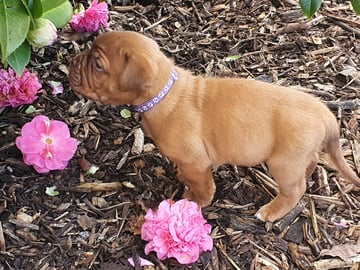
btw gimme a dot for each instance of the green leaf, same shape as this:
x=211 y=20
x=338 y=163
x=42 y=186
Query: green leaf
x=57 y=11
x=356 y=6
x=36 y=8
x=26 y=5
x=125 y=113
x=30 y=109
x=20 y=57
x=14 y=25
x=232 y=58
x=51 y=191
x=93 y=169
x=309 y=7
x=30 y=3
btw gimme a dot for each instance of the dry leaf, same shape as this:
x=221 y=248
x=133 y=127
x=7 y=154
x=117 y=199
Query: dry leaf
x=344 y=252
x=136 y=224
x=159 y=171
x=62 y=207
x=99 y=202
x=86 y=222
x=139 y=164
x=353 y=124
x=110 y=266
x=118 y=141
x=24 y=217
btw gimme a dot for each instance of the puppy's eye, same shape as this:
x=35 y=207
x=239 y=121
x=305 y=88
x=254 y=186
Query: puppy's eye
x=98 y=65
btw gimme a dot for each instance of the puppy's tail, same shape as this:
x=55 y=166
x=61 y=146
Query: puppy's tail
x=332 y=146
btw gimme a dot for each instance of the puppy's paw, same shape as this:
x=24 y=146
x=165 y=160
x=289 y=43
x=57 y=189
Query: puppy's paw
x=267 y=214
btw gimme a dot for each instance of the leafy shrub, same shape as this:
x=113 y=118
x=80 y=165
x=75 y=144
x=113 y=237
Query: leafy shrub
x=18 y=18
x=309 y=7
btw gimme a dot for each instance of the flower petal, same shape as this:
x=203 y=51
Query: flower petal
x=18 y=90
x=46 y=144
x=92 y=19
x=176 y=229
x=143 y=262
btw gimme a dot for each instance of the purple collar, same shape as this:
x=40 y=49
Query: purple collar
x=147 y=105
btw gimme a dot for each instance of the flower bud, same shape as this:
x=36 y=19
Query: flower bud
x=43 y=34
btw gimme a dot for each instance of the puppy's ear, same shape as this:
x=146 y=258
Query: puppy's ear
x=139 y=71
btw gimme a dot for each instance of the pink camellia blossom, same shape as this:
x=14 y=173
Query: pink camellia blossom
x=46 y=144
x=178 y=230
x=18 y=90
x=91 y=19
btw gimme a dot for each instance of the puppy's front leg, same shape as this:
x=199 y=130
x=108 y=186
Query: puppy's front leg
x=200 y=183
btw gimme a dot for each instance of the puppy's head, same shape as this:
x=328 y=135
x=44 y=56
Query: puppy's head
x=119 y=69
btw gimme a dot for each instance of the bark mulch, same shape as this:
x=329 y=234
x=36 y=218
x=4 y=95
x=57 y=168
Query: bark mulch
x=94 y=223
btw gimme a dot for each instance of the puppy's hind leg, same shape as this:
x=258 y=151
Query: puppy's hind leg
x=312 y=165
x=290 y=177
x=200 y=183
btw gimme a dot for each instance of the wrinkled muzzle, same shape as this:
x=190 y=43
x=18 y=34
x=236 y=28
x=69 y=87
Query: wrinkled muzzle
x=75 y=73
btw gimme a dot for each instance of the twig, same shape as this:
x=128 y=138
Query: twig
x=125 y=213
x=196 y=12
x=313 y=243
x=356 y=154
x=223 y=252
x=124 y=9
x=356 y=78
x=7 y=146
x=91 y=187
x=345 y=196
x=288 y=219
x=2 y=239
x=23 y=224
x=328 y=199
x=92 y=207
x=344 y=23
x=343 y=19
x=336 y=263
x=348 y=28
x=157 y=23
x=266 y=181
x=292 y=27
x=314 y=219
x=264 y=261
x=346 y=104
x=266 y=252
x=325 y=50
x=323 y=180
x=94 y=258
x=232 y=206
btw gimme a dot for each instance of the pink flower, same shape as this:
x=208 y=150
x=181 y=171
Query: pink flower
x=177 y=230
x=57 y=87
x=18 y=90
x=91 y=19
x=143 y=262
x=46 y=144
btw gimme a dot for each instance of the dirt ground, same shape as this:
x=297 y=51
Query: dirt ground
x=86 y=227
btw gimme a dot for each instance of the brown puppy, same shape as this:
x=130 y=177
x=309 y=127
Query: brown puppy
x=202 y=122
